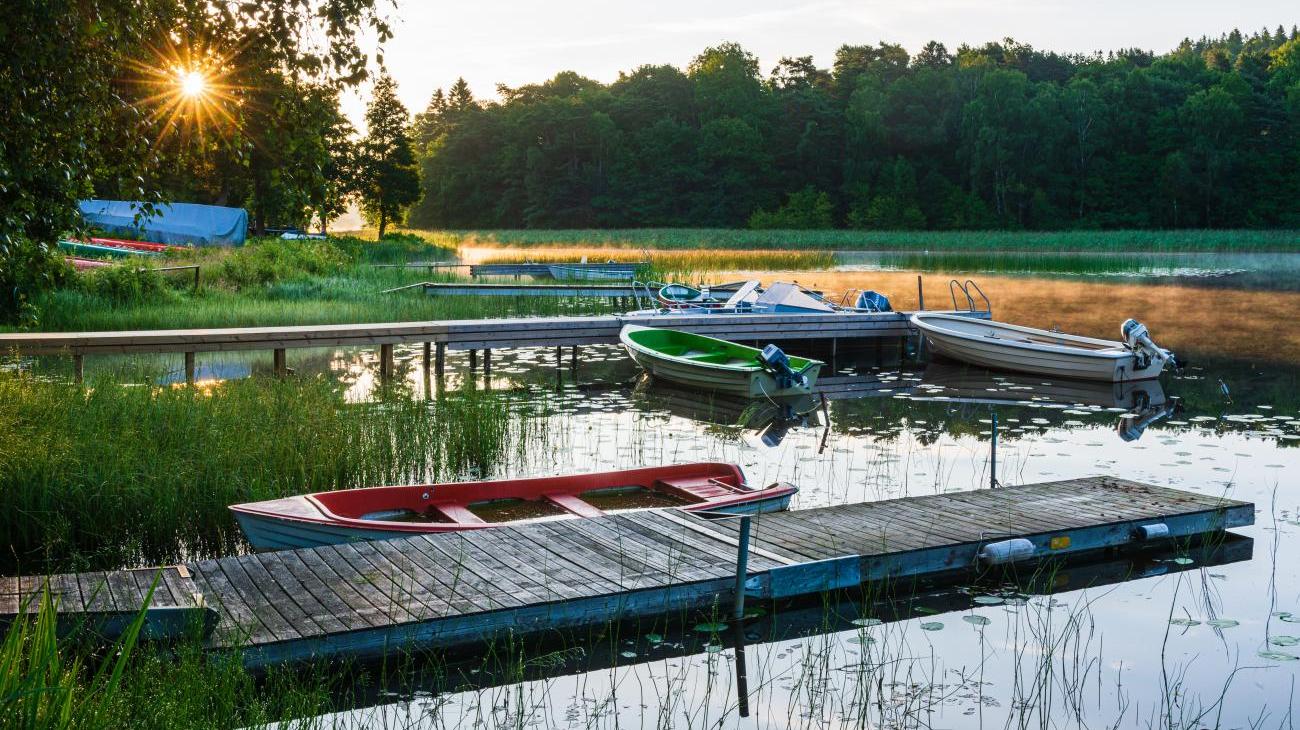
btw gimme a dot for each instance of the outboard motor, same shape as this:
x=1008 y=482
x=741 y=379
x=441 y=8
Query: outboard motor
x=873 y=301
x=774 y=360
x=1139 y=341
x=1131 y=425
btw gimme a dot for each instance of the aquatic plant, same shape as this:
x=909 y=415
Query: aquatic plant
x=120 y=474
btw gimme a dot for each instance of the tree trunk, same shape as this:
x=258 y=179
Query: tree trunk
x=383 y=220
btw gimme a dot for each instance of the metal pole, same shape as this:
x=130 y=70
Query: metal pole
x=993 y=454
x=742 y=568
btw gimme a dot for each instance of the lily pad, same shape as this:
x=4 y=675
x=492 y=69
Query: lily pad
x=932 y=626
x=628 y=655
x=1283 y=640
x=862 y=639
x=1222 y=623
x=988 y=600
x=1290 y=618
x=976 y=620
x=1183 y=561
x=866 y=621
x=1279 y=656
x=710 y=628
x=654 y=638
x=713 y=648
x=1185 y=622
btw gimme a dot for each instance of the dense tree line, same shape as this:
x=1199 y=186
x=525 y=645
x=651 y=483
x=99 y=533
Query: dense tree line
x=998 y=136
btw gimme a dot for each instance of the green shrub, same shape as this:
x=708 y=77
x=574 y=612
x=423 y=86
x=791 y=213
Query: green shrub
x=125 y=284
x=267 y=261
x=26 y=270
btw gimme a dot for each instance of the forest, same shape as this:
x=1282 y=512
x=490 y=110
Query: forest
x=997 y=136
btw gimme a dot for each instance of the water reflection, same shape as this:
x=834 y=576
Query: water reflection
x=772 y=645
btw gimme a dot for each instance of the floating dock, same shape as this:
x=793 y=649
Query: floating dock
x=613 y=291
x=368 y=598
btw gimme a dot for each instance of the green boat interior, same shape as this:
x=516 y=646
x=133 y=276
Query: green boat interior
x=701 y=349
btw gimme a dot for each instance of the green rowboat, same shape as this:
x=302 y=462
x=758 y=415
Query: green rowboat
x=712 y=364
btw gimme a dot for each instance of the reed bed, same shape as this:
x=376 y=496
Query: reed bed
x=116 y=474
x=724 y=238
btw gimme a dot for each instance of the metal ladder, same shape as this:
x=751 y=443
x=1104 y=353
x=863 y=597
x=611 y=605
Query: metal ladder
x=965 y=288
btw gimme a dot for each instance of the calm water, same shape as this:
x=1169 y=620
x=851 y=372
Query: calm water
x=1182 y=639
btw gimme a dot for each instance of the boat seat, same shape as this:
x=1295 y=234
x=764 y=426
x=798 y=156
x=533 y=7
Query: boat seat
x=697 y=487
x=575 y=505
x=458 y=513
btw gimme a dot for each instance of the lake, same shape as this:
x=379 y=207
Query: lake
x=1190 y=637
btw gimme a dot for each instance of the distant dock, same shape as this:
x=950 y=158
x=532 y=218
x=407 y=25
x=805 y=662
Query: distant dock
x=368 y=598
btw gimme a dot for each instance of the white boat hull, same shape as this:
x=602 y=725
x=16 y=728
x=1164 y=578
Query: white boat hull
x=1023 y=349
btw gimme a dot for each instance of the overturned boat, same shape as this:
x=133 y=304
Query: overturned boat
x=750 y=297
x=1005 y=346
x=385 y=513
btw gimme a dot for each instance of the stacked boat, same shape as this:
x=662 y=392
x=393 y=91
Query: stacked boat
x=750 y=297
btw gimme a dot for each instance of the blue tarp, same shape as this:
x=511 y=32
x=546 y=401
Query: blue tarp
x=176 y=223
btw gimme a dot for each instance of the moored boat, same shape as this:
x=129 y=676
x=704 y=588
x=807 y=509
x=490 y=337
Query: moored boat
x=711 y=364
x=385 y=513
x=1005 y=346
x=589 y=272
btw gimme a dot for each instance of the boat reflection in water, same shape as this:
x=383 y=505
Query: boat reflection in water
x=1144 y=402
x=768 y=418
x=638 y=645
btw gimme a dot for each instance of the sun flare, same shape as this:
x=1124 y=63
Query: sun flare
x=193 y=84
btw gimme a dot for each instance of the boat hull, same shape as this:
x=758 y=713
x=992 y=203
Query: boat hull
x=750 y=381
x=573 y=273
x=995 y=345
x=385 y=513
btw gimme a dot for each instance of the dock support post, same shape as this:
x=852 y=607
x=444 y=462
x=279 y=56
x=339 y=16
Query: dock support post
x=993 y=453
x=281 y=368
x=487 y=361
x=189 y=368
x=78 y=368
x=428 y=356
x=440 y=358
x=742 y=568
x=742 y=670
x=920 y=294
x=386 y=362
x=473 y=360
x=559 y=357
x=573 y=358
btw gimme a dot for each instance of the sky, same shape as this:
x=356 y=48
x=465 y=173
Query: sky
x=514 y=42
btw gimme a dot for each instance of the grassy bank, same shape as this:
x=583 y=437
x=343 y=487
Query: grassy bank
x=129 y=475
x=687 y=238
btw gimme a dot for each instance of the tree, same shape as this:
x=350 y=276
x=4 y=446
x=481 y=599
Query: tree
x=389 y=181
x=82 y=102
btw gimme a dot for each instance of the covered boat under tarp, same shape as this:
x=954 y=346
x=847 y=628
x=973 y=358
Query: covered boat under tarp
x=174 y=223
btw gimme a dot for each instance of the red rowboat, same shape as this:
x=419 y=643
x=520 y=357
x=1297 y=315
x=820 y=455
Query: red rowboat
x=136 y=245
x=384 y=513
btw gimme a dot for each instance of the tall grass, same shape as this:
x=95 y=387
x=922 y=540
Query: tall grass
x=120 y=475
x=728 y=238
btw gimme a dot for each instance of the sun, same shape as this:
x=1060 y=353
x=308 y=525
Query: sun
x=193 y=84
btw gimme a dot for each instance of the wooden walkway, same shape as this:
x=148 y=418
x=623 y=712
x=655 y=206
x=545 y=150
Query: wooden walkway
x=466 y=334
x=365 y=599
x=613 y=291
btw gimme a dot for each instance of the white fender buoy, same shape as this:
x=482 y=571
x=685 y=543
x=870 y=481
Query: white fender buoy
x=1006 y=551
x=1153 y=531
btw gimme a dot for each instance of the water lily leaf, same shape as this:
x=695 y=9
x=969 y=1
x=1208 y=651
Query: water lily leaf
x=654 y=638
x=713 y=648
x=1278 y=656
x=989 y=600
x=1222 y=623
x=866 y=621
x=932 y=626
x=628 y=654
x=1185 y=622
x=976 y=619
x=1283 y=640
x=710 y=628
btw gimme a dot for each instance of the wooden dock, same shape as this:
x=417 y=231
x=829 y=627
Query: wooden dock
x=609 y=291
x=465 y=334
x=366 y=599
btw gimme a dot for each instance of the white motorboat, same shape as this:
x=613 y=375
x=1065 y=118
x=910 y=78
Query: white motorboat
x=1043 y=352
